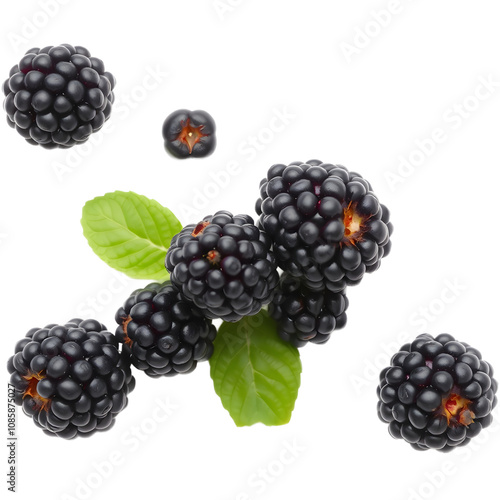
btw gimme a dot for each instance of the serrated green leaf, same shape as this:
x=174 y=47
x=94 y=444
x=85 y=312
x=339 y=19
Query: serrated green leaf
x=130 y=232
x=255 y=373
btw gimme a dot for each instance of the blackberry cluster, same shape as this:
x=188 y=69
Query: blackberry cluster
x=224 y=266
x=305 y=315
x=437 y=393
x=164 y=333
x=327 y=225
x=71 y=379
x=57 y=96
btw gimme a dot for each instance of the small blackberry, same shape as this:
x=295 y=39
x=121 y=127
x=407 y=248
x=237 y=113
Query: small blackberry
x=224 y=265
x=326 y=223
x=189 y=134
x=57 y=96
x=437 y=393
x=164 y=333
x=71 y=379
x=305 y=315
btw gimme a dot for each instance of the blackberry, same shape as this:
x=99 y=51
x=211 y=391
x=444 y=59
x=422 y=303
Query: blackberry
x=57 y=96
x=189 y=133
x=224 y=265
x=326 y=223
x=305 y=315
x=437 y=393
x=71 y=379
x=164 y=333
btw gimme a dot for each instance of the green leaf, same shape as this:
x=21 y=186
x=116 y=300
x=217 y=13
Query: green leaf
x=255 y=373
x=131 y=233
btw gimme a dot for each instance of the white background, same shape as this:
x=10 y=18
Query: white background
x=359 y=100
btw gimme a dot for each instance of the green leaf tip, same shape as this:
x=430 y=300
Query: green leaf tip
x=130 y=232
x=255 y=373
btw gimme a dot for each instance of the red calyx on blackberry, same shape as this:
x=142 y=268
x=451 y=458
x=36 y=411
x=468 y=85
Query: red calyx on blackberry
x=224 y=265
x=58 y=96
x=305 y=315
x=437 y=393
x=189 y=133
x=326 y=223
x=163 y=332
x=71 y=379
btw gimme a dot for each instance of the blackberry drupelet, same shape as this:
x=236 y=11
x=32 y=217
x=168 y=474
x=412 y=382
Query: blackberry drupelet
x=305 y=315
x=163 y=332
x=57 y=96
x=224 y=265
x=437 y=393
x=326 y=223
x=71 y=379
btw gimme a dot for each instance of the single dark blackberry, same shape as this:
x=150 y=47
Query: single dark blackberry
x=437 y=393
x=224 y=265
x=326 y=223
x=57 y=96
x=71 y=379
x=189 y=134
x=165 y=334
x=305 y=315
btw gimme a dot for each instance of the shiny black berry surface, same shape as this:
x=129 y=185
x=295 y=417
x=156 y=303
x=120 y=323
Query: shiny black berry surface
x=164 y=333
x=326 y=223
x=437 y=393
x=224 y=265
x=58 y=96
x=189 y=134
x=71 y=379
x=305 y=315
